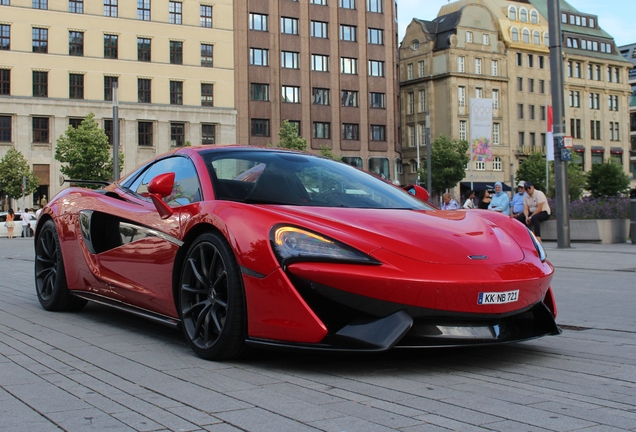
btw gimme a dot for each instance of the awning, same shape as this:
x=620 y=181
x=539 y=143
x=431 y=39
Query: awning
x=598 y=149
x=616 y=150
x=579 y=148
x=477 y=186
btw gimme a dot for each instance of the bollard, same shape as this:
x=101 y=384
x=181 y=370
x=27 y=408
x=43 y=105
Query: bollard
x=632 y=217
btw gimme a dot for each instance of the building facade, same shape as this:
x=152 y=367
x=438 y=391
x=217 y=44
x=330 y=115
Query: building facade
x=629 y=53
x=172 y=61
x=326 y=66
x=512 y=38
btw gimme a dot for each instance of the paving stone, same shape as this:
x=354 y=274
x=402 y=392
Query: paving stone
x=256 y=419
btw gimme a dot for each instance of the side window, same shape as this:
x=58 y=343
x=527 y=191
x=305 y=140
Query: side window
x=186 y=182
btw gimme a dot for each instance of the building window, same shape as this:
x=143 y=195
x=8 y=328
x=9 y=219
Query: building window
x=461 y=64
x=289 y=25
x=319 y=63
x=290 y=94
x=349 y=66
x=522 y=139
x=542 y=112
x=422 y=100
x=108 y=130
x=541 y=60
x=5 y=129
x=494 y=68
x=144 y=133
x=348 y=33
x=258 y=22
x=412 y=137
x=497 y=164
x=421 y=69
x=495 y=134
x=176 y=52
x=76 y=86
x=595 y=129
x=76 y=43
x=575 y=128
x=143 y=90
x=40 y=4
x=469 y=36
x=409 y=71
x=374 y=6
x=260 y=127
x=378 y=133
x=577 y=70
x=110 y=8
x=485 y=39
x=375 y=36
x=411 y=103
x=614 y=135
x=378 y=100
x=347 y=4
x=143 y=49
x=207 y=94
x=76 y=6
x=541 y=86
x=531 y=85
x=208 y=134
x=40 y=40
x=536 y=37
x=480 y=166
x=478 y=66
x=575 y=99
x=515 y=34
x=350 y=131
x=597 y=157
x=205 y=12
x=320 y=96
x=5 y=81
x=376 y=68
x=289 y=60
x=111 y=46
x=259 y=57
x=479 y=93
x=520 y=111
x=523 y=15
x=207 y=55
x=321 y=130
x=143 y=10
x=5 y=37
x=174 y=12
x=259 y=92
x=526 y=36
x=349 y=98
x=176 y=92
x=461 y=96
x=519 y=59
x=530 y=60
x=613 y=102
x=531 y=112
x=177 y=134
x=40 y=84
x=512 y=13
x=519 y=84
x=462 y=130
x=319 y=29
x=108 y=87
x=319 y=2
x=40 y=129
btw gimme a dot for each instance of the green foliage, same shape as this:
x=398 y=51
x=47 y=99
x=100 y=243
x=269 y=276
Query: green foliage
x=607 y=180
x=85 y=152
x=326 y=152
x=13 y=168
x=577 y=179
x=289 y=137
x=448 y=163
x=533 y=170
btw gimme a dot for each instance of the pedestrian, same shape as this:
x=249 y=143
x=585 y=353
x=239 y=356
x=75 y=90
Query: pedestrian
x=484 y=199
x=43 y=201
x=449 y=203
x=469 y=203
x=535 y=209
x=500 y=202
x=25 y=223
x=517 y=200
x=10 y=223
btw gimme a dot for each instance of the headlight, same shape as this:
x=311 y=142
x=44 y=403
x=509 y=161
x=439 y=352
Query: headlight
x=538 y=246
x=292 y=244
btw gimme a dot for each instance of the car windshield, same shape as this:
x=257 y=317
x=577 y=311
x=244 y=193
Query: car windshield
x=282 y=177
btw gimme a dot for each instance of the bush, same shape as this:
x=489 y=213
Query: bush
x=596 y=208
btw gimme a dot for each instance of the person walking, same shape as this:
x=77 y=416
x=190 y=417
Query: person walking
x=517 y=200
x=449 y=203
x=10 y=223
x=535 y=209
x=500 y=201
x=25 y=217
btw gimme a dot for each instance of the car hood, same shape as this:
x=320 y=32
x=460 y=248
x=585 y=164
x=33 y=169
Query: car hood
x=435 y=236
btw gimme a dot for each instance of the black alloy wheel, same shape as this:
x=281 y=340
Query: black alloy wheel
x=50 y=278
x=212 y=300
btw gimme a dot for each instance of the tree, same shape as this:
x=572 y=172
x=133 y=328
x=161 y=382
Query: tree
x=607 y=179
x=448 y=163
x=326 y=152
x=85 y=152
x=13 y=169
x=533 y=170
x=289 y=137
x=577 y=179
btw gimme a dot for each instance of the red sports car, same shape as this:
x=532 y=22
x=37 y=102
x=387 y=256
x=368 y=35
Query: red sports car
x=245 y=246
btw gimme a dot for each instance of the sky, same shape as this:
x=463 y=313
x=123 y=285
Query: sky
x=614 y=16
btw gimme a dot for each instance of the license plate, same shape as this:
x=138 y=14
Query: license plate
x=498 y=297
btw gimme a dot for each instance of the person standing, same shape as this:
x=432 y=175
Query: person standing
x=469 y=203
x=25 y=217
x=517 y=200
x=500 y=202
x=10 y=223
x=535 y=209
x=484 y=199
x=449 y=203
x=43 y=201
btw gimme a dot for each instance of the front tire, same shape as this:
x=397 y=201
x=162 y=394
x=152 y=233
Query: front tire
x=50 y=278
x=212 y=300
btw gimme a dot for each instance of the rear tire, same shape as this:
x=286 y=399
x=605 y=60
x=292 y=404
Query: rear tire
x=50 y=278
x=212 y=300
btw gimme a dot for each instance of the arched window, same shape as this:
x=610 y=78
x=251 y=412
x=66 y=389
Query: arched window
x=526 y=36
x=537 y=37
x=515 y=34
x=546 y=39
x=523 y=15
x=512 y=13
x=534 y=17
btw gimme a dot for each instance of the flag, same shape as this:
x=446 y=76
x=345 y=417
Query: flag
x=549 y=142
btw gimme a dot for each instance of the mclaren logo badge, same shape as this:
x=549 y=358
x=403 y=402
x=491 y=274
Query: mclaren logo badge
x=478 y=257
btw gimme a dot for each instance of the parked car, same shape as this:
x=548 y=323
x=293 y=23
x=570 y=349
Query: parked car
x=246 y=246
x=17 y=231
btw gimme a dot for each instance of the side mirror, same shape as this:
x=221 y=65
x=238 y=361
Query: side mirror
x=418 y=191
x=159 y=188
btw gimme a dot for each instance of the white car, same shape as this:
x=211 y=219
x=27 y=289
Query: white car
x=17 y=231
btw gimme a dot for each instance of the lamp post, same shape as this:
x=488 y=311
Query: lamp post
x=115 y=132
x=429 y=176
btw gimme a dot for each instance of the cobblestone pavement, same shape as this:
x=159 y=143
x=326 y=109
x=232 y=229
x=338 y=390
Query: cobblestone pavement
x=103 y=370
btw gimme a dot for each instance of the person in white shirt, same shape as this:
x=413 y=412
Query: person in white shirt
x=25 y=223
x=469 y=203
x=535 y=209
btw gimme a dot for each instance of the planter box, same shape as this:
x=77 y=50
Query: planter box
x=590 y=230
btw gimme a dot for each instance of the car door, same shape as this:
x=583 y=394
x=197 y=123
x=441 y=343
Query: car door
x=139 y=261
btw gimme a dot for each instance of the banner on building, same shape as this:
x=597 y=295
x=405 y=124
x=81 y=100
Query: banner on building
x=481 y=129
x=549 y=142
